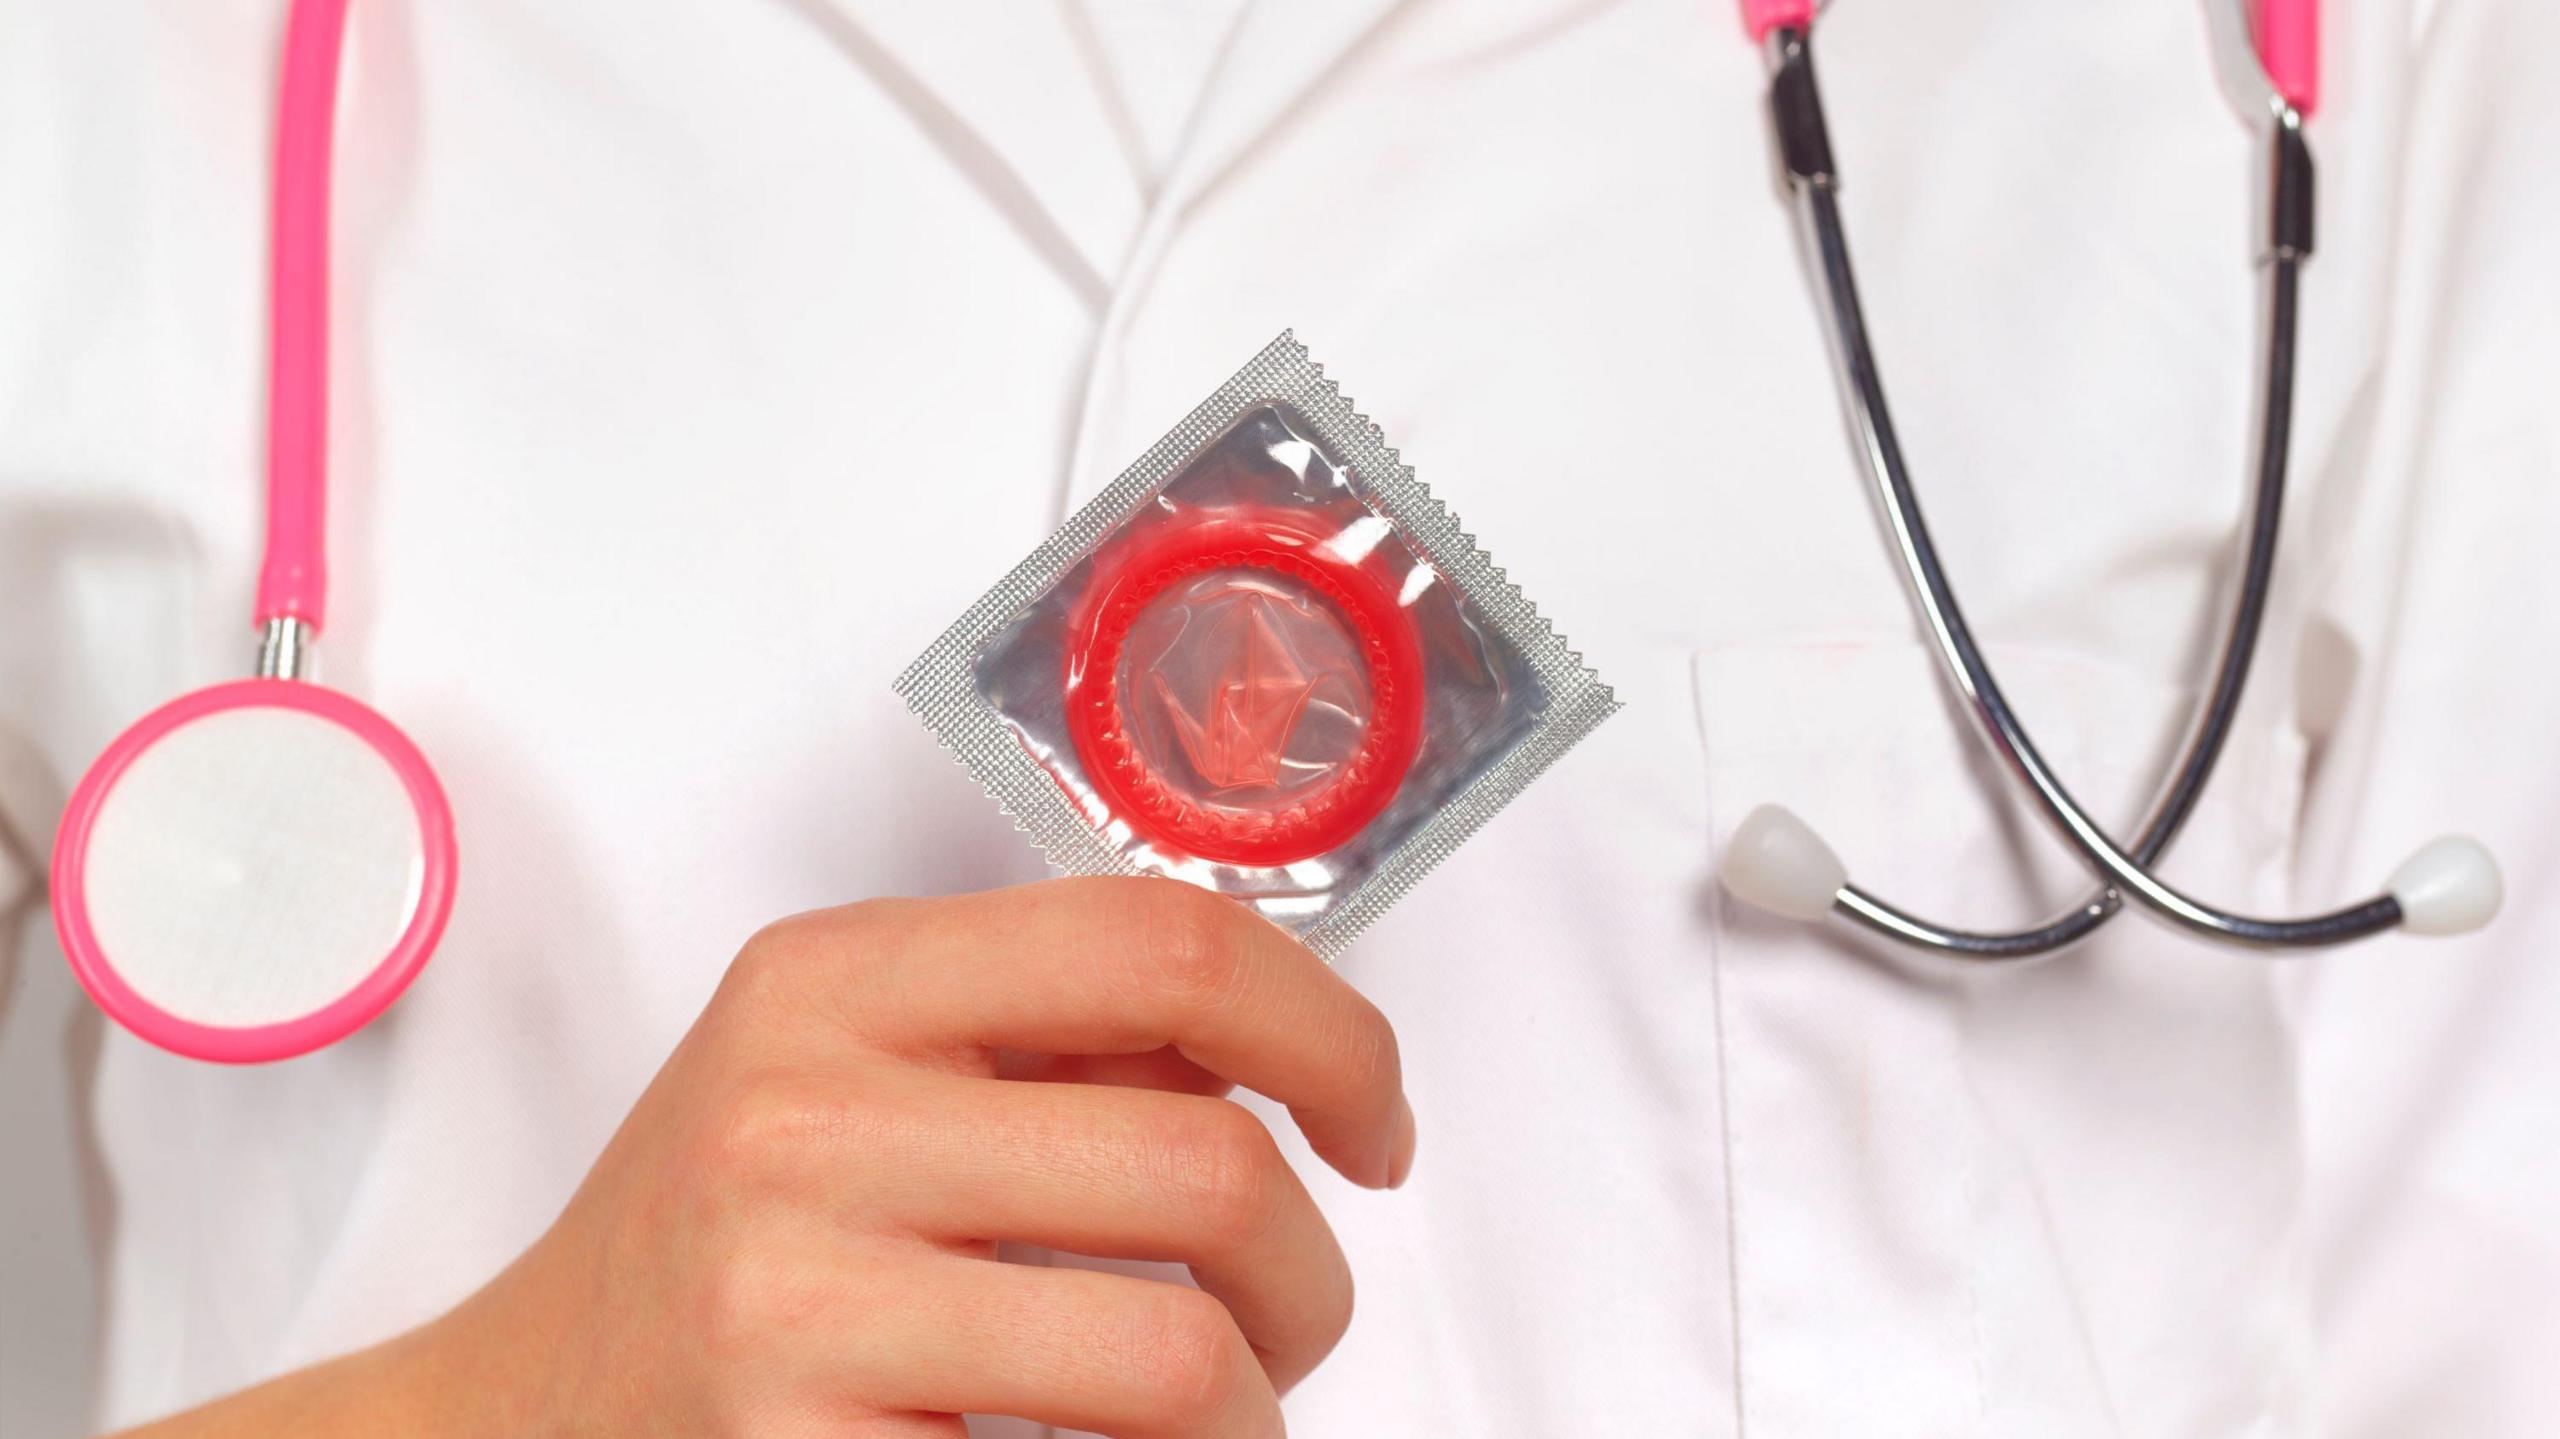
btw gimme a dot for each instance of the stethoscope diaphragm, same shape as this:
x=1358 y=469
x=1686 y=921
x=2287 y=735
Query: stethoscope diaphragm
x=253 y=870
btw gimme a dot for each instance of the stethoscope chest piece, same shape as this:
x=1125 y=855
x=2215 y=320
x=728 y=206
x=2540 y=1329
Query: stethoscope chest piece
x=258 y=868
x=253 y=871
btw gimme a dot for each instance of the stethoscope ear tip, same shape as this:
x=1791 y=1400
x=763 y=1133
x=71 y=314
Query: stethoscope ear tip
x=1775 y=861
x=2450 y=886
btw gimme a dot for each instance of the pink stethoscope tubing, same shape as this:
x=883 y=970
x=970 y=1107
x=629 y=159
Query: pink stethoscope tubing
x=294 y=581
x=2288 y=36
x=292 y=593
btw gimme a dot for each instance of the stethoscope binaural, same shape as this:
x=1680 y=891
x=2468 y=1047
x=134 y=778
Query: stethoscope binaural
x=258 y=868
x=1775 y=861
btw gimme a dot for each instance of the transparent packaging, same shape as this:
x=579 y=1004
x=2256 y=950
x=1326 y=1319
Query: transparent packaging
x=1264 y=660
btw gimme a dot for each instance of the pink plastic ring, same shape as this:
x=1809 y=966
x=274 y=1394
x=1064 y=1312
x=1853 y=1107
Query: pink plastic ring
x=1762 y=16
x=384 y=983
x=2287 y=35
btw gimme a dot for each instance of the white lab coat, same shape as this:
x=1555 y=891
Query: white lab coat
x=701 y=359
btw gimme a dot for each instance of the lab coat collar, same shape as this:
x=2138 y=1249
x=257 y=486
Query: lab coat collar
x=1014 y=95
x=1013 y=99
x=1280 y=54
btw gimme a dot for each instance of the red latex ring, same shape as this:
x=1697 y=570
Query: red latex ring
x=1282 y=544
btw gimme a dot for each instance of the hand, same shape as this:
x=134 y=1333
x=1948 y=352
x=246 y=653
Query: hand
x=794 y=1231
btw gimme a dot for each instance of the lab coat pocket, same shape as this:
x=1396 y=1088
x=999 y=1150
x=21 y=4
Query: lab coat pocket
x=2041 y=1199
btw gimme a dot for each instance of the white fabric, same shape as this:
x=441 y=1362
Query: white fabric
x=252 y=866
x=702 y=360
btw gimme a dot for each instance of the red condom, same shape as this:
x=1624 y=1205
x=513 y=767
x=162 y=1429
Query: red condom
x=1240 y=691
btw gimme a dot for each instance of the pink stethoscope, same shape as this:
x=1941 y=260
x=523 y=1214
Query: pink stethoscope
x=258 y=868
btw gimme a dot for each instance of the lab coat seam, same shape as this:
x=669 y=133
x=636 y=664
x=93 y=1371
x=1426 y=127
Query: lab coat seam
x=1220 y=165
x=2033 y=1184
x=1117 y=115
x=1968 y=1188
x=1167 y=204
x=964 y=142
x=1728 y=1146
x=1190 y=175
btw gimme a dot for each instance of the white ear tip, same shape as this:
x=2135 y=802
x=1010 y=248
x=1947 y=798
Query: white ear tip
x=1776 y=862
x=2450 y=886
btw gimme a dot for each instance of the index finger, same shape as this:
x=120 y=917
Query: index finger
x=1122 y=966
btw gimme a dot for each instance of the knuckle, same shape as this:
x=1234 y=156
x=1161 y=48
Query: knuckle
x=779 y=969
x=1192 y=1360
x=745 y=1303
x=788 y=939
x=792 y=941
x=1226 y=1172
x=761 y=1136
x=769 y=958
x=744 y=1136
x=770 y=941
x=730 y=1307
x=1188 y=939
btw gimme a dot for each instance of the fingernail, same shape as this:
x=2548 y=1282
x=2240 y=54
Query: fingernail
x=1400 y=1145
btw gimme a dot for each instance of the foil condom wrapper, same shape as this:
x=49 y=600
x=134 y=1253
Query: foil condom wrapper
x=1264 y=660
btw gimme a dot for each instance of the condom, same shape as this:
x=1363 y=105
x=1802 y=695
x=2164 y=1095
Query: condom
x=1240 y=692
x=1264 y=660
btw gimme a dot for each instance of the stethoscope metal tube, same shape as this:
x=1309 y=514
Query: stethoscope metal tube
x=2453 y=875
x=2202 y=747
x=1795 y=100
x=284 y=649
